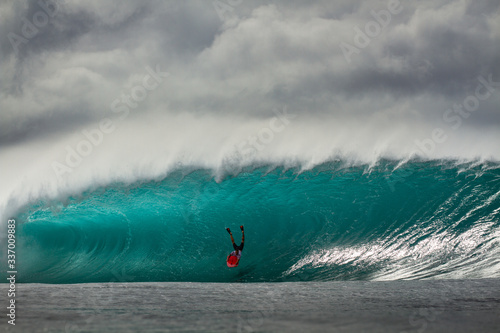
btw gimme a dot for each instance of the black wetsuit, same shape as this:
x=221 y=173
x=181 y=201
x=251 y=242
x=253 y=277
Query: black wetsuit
x=236 y=247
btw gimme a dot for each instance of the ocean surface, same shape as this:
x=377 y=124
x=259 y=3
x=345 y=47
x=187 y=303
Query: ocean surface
x=337 y=221
x=341 y=306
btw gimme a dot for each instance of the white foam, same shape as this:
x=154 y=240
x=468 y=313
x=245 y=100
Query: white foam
x=151 y=146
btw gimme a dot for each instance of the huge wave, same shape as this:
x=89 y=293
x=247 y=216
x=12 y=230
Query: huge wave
x=336 y=221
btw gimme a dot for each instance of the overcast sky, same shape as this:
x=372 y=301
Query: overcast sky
x=244 y=58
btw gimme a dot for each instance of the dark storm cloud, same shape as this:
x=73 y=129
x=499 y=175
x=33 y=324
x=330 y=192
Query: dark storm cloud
x=258 y=55
x=58 y=32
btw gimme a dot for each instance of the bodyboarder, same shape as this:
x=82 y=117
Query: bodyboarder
x=233 y=258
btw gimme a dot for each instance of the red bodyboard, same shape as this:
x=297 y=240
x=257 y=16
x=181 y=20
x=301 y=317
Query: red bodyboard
x=232 y=261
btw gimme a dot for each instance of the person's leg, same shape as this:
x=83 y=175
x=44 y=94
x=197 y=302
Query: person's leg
x=230 y=234
x=242 y=238
x=236 y=247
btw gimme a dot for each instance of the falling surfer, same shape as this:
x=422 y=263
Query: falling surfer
x=234 y=257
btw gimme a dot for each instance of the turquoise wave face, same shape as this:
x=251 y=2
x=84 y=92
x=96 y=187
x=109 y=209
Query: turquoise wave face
x=335 y=222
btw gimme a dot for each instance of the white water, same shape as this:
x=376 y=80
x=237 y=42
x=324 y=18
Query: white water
x=150 y=146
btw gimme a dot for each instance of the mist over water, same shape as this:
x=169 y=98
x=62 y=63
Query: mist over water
x=151 y=147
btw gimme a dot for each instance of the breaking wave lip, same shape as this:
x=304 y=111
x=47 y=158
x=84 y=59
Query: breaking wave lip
x=153 y=146
x=336 y=221
x=51 y=188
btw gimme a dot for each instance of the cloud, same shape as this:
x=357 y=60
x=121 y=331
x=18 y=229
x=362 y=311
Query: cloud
x=427 y=58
